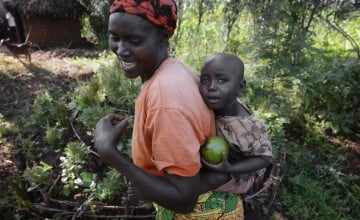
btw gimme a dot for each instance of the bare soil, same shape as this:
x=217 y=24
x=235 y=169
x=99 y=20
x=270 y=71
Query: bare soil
x=20 y=87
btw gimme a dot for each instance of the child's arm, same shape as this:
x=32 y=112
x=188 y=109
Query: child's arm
x=211 y=180
x=247 y=165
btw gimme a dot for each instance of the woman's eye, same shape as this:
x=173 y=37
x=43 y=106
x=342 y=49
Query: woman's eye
x=135 y=41
x=113 y=37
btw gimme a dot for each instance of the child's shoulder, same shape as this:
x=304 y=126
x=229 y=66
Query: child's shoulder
x=245 y=108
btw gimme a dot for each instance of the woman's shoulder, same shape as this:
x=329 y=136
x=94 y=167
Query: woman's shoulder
x=174 y=84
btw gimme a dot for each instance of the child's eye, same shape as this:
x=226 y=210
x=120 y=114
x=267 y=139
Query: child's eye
x=204 y=81
x=222 y=80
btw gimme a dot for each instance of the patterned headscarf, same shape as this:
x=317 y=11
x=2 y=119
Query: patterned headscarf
x=158 y=12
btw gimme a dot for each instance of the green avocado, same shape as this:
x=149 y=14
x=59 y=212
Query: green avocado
x=213 y=148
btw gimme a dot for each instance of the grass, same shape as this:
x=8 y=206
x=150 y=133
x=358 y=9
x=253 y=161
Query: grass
x=317 y=185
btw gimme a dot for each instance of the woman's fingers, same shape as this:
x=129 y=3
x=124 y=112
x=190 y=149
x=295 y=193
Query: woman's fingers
x=122 y=124
x=115 y=119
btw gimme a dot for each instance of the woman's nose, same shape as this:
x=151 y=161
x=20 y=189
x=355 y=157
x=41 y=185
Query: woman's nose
x=122 y=50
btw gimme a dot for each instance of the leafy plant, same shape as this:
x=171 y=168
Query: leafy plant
x=72 y=164
x=331 y=99
x=39 y=176
x=47 y=110
x=110 y=186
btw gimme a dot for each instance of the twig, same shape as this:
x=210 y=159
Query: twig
x=109 y=207
x=43 y=208
x=121 y=216
x=53 y=185
x=71 y=120
x=12 y=87
x=64 y=202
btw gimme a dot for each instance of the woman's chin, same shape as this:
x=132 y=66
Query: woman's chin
x=130 y=74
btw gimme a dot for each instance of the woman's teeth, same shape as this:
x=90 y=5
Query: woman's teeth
x=127 y=65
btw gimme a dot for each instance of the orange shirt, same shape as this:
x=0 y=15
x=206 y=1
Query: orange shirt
x=171 y=122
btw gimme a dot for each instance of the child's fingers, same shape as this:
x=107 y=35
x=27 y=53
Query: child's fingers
x=223 y=157
x=207 y=164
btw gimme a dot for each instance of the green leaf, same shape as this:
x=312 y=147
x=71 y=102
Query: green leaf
x=86 y=177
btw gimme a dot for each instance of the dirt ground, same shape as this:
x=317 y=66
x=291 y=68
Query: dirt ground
x=20 y=87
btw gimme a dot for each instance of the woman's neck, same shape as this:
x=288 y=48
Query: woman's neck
x=162 y=57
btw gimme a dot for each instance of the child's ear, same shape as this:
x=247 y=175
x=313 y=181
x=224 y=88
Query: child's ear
x=241 y=87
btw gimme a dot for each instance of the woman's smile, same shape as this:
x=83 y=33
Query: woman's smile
x=126 y=66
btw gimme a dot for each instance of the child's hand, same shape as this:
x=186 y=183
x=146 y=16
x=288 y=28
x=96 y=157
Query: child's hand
x=132 y=192
x=222 y=167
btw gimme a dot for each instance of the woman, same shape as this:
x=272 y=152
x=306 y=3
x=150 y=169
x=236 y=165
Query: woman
x=171 y=119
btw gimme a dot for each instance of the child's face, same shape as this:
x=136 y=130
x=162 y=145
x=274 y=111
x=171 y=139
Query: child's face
x=136 y=43
x=220 y=81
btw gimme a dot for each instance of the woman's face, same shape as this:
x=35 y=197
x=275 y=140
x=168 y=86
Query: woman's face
x=136 y=42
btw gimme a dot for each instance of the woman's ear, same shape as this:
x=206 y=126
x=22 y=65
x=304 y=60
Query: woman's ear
x=164 y=37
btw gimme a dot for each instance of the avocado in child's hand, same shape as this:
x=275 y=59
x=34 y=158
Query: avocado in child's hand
x=213 y=149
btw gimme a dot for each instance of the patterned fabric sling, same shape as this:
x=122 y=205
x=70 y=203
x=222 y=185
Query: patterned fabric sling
x=210 y=206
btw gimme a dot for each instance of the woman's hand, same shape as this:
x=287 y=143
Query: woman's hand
x=223 y=167
x=108 y=133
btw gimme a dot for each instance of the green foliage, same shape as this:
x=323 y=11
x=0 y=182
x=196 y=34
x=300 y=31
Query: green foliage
x=7 y=128
x=117 y=89
x=192 y=46
x=275 y=127
x=39 y=176
x=54 y=136
x=110 y=186
x=311 y=189
x=47 y=111
x=96 y=20
x=72 y=166
x=331 y=98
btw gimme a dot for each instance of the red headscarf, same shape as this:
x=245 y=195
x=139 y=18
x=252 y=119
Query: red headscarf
x=158 y=12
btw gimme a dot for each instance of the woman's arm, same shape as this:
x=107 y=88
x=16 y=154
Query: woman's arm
x=171 y=191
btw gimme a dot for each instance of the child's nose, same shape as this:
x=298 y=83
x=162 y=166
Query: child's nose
x=212 y=85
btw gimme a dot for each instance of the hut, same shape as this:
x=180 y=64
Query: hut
x=50 y=23
x=3 y=23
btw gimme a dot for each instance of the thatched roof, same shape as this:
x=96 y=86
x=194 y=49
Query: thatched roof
x=2 y=10
x=53 y=8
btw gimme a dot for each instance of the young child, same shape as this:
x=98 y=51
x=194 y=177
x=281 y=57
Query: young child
x=221 y=83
